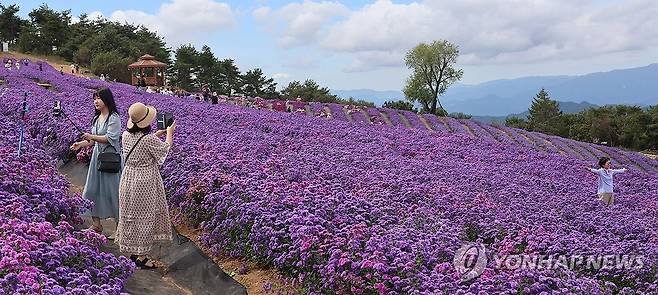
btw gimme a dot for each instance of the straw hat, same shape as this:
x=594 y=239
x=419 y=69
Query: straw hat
x=141 y=114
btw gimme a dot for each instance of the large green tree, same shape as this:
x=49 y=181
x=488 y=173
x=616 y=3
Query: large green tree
x=184 y=71
x=308 y=91
x=113 y=65
x=208 y=69
x=544 y=114
x=10 y=23
x=47 y=29
x=230 y=80
x=255 y=83
x=80 y=32
x=433 y=71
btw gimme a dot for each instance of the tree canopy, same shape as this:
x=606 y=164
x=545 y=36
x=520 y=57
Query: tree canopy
x=433 y=67
x=544 y=114
x=10 y=23
x=308 y=91
x=399 y=105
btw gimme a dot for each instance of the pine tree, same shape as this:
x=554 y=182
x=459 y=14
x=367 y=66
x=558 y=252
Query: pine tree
x=544 y=114
x=185 y=72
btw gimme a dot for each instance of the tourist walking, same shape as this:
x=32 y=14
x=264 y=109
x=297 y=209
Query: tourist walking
x=606 y=185
x=102 y=188
x=144 y=215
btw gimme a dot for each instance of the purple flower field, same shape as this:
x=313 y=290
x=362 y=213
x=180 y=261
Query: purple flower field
x=40 y=252
x=346 y=208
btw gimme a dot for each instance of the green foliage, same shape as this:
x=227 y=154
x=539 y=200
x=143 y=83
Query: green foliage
x=399 y=105
x=254 y=83
x=28 y=40
x=544 y=114
x=184 y=71
x=652 y=129
x=194 y=69
x=82 y=56
x=84 y=42
x=356 y=102
x=415 y=90
x=460 y=115
x=113 y=65
x=46 y=28
x=308 y=91
x=10 y=23
x=625 y=126
x=205 y=64
x=516 y=122
x=230 y=80
x=433 y=72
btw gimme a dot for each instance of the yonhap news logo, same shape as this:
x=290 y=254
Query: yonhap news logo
x=471 y=260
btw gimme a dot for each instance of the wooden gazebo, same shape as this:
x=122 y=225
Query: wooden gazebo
x=152 y=70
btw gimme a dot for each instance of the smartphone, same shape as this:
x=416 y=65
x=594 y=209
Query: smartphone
x=165 y=120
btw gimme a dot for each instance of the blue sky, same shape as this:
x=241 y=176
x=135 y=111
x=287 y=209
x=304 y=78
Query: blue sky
x=361 y=44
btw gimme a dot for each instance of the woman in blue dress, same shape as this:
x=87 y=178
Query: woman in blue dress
x=102 y=187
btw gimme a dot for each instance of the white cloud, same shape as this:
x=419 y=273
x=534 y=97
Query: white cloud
x=281 y=76
x=182 y=21
x=299 y=23
x=487 y=32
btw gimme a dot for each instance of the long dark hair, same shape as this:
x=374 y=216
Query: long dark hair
x=108 y=99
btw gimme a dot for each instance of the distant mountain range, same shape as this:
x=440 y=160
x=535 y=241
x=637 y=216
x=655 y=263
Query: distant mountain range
x=635 y=86
x=567 y=107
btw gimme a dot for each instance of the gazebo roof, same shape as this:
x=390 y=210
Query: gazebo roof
x=147 y=61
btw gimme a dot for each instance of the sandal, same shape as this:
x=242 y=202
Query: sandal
x=142 y=264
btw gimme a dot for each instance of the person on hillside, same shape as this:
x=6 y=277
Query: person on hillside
x=144 y=215
x=40 y=67
x=605 y=174
x=102 y=187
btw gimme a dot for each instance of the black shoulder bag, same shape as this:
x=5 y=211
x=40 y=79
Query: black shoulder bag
x=108 y=161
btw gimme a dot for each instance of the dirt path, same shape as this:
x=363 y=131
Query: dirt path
x=250 y=275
